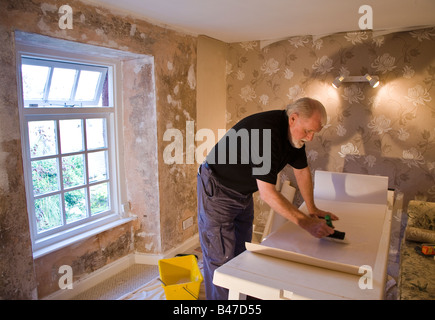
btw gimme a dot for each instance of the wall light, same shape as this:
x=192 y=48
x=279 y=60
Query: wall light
x=373 y=81
x=337 y=82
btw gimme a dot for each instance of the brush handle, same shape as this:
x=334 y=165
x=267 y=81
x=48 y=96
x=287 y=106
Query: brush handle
x=328 y=221
x=337 y=235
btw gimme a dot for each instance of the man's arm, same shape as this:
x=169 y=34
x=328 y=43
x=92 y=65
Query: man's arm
x=305 y=184
x=316 y=227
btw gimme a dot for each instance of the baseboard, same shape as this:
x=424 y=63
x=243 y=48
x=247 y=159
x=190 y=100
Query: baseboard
x=119 y=265
x=186 y=246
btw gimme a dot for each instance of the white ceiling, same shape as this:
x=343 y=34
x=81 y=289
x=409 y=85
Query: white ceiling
x=248 y=20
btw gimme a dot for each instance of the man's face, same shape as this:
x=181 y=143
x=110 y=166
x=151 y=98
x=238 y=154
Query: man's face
x=302 y=129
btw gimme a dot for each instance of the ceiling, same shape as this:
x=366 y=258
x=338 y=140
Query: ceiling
x=248 y=20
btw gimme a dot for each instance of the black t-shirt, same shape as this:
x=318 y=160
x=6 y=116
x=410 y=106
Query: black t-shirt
x=257 y=147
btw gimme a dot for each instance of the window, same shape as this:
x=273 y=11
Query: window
x=68 y=126
x=54 y=83
x=70 y=169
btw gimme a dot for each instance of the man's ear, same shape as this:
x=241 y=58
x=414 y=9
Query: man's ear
x=293 y=118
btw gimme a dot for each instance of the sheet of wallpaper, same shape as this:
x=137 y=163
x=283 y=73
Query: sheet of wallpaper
x=362 y=222
x=350 y=187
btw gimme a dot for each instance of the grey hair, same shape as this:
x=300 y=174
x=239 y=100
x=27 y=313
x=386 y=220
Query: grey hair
x=305 y=107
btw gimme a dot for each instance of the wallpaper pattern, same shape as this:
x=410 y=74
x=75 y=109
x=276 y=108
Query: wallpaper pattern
x=388 y=130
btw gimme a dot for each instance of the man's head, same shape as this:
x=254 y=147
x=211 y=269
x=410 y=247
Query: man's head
x=306 y=116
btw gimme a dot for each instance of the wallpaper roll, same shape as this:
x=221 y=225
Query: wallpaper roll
x=420 y=234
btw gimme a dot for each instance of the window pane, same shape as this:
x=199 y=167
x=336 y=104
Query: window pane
x=45 y=176
x=100 y=198
x=71 y=135
x=75 y=205
x=62 y=83
x=73 y=170
x=34 y=80
x=87 y=86
x=97 y=166
x=48 y=213
x=96 y=133
x=42 y=138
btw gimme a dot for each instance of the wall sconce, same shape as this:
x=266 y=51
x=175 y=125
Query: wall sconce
x=373 y=81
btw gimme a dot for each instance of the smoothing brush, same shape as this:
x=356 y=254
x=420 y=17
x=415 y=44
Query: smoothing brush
x=337 y=236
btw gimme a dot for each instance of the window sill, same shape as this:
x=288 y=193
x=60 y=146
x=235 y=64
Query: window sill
x=62 y=244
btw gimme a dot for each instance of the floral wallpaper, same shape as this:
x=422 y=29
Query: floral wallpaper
x=388 y=130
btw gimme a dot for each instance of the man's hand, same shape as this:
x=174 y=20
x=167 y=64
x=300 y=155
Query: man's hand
x=321 y=214
x=317 y=227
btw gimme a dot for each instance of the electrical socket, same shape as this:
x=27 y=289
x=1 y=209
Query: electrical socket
x=187 y=223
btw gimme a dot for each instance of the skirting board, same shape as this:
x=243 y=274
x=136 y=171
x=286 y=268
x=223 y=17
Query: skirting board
x=153 y=259
x=119 y=265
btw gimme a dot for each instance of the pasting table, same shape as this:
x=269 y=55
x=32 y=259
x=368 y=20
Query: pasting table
x=270 y=275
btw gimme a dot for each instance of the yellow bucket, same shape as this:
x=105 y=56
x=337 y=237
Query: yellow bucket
x=181 y=278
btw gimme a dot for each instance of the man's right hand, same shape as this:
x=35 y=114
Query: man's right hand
x=316 y=227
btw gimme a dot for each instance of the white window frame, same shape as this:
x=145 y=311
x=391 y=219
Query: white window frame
x=54 y=239
x=31 y=60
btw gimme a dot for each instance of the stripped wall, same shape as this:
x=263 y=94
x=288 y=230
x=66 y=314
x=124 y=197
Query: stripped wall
x=147 y=114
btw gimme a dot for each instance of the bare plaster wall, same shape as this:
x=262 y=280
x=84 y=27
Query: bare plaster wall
x=160 y=195
x=83 y=257
x=17 y=278
x=140 y=136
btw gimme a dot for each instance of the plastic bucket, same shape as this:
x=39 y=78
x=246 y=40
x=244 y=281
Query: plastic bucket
x=181 y=277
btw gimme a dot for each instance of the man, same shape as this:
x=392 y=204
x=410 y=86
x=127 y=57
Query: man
x=265 y=143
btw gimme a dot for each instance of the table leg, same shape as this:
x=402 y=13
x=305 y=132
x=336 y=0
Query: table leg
x=235 y=295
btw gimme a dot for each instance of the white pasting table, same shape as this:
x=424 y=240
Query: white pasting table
x=290 y=264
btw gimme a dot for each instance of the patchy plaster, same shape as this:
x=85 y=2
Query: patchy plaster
x=17 y=279
x=191 y=78
x=159 y=196
x=84 y=257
